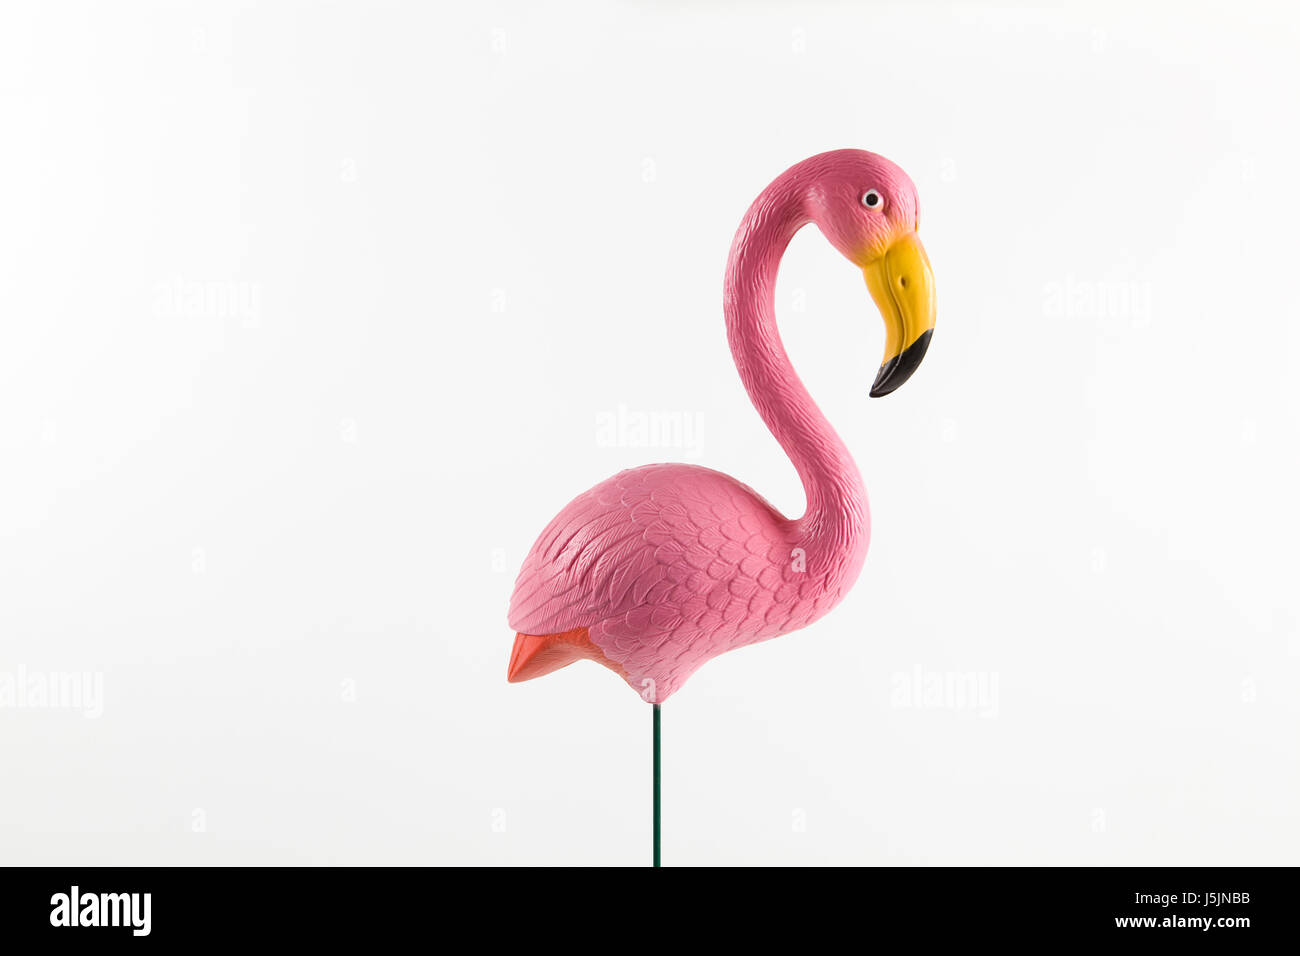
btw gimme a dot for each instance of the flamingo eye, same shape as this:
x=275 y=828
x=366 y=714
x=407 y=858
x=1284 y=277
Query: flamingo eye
x=873 y=200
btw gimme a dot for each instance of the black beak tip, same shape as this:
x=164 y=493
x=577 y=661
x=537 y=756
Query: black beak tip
x=900 y=368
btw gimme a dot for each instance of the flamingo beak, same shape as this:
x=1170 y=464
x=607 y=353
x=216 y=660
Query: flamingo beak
x=902 y=286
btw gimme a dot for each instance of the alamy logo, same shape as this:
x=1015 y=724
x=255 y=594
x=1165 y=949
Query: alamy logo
x=630 y=428
x=67 y=690
x=922 y=689
x=101 y=909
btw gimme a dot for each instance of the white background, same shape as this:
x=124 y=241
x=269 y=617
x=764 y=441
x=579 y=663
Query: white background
x=310 y=317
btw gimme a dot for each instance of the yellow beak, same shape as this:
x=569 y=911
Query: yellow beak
x=902 y=286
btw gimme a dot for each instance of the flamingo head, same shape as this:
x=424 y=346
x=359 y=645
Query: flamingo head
x=867 y=207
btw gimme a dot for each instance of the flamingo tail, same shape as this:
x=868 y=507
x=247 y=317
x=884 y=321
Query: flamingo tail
x=536 y=655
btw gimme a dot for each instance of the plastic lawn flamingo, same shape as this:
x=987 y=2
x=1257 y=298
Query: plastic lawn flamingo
x=660 y=568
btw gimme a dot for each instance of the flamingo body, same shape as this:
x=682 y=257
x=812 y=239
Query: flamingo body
x=667 y=566
x=660 y=568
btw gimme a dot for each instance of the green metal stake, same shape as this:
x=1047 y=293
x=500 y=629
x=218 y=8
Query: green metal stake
x=656 y=776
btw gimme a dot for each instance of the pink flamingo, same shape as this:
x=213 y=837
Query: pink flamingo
x=660 y=568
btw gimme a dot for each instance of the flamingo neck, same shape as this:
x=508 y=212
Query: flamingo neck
x=835 y=527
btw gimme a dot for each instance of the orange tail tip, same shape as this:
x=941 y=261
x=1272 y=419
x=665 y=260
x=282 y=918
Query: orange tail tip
x=536 y=655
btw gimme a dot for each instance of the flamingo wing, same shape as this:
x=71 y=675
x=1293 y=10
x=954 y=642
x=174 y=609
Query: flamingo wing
x=633 y=540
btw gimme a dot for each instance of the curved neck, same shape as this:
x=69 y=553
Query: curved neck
x=836 y=520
